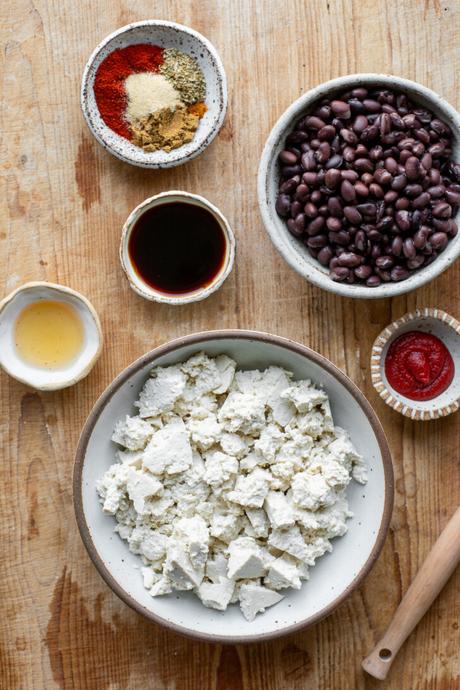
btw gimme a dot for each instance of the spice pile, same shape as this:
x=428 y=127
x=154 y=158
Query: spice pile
x=150 y=95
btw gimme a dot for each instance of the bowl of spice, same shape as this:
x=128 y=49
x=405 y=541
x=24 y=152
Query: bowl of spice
x=50 y=335
x=176 y=248
x=154 y=93
x=359 y=185
x=415 y=363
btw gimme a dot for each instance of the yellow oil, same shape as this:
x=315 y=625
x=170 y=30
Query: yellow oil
x=49 y=334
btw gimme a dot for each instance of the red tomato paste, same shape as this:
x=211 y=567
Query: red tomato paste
x=419 y=366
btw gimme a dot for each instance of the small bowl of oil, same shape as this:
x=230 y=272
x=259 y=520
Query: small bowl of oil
x=50 y=335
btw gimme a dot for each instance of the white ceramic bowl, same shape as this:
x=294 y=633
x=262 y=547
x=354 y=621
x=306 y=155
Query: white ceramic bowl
x=140 y=286
x=289 y=247
x=334 y=577
x=447 y=329
x=45 y=379
x=167 y=35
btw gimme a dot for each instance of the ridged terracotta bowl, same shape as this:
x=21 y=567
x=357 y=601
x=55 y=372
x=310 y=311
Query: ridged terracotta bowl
x=435 y=322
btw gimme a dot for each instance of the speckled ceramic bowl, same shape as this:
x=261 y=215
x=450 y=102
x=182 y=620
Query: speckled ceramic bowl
x=147 y=291
x=334 y=576
x=447 y=329
x=167 y=35
x=289 y=247
x=44 y=379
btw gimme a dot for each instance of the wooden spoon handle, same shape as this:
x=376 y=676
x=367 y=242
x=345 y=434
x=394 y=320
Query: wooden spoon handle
x=430 y=579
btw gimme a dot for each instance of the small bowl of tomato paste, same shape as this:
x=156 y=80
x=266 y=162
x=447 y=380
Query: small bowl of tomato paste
x=415 y=364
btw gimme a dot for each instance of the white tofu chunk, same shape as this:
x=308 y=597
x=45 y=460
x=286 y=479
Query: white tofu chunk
x=216 y=567
x=255 y=599
x=140 y=486
x=259 y=521
x=193 y=534
x=132 y=433
x=216 y=595
x=304 y=395
x=179 y=569
x=246 y=559
x=169 y=449
x=226 y=368
x=250 y=490
x=279 y=510
x=283 y=572
x=311 y=491
x=291 y=541
x=219 y=468
x=161 y=391
x=242 y=412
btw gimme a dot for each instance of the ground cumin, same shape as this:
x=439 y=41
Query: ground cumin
x=165 y=129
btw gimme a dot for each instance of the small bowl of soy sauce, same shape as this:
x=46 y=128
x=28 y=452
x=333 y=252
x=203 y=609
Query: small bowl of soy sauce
x=176 y=248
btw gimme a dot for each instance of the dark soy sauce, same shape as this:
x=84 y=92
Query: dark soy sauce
x=177 y=247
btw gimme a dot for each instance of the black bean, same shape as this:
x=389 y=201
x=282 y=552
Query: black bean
x=364 y=165
x=291 y=170
x=347 y=191
x=302 y=193
x=288 y=157
x=413 y=190
x=409 y=248
x=384 y=262
x=442 y=210
x=317 y=242
x=339 y=274
x=283 y=205
x=361 y=241
x=412 y=168
x=416 y=262
x=399 y=182
x=343 y=237
x=382 y=176
x=376 y=190
x=402 y=219
x=384 y=275
x=324 y=152
x=292 y=227
x=350 y=260
x=352 y=214
x=334 y=206
x=438 y=240
x=396 y=246
x=334 y=224
x=369 y=133
x=311 y=211
x=315 y=226
x=326 y=133
x=452 y=197
x=308 y=161
x=361 y=189
x=310 y=178
x=373 y=281
x=332 y=178
x=334 y=162
x=313 y=122
x=360 y=92
x=421 y=201
x=440 y=127
x=363 y=272
x=325 y=255
x=289 y=186
x=341 y=109
x=399 y=273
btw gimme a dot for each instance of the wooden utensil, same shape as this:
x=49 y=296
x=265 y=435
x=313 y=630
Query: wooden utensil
x=430 y=579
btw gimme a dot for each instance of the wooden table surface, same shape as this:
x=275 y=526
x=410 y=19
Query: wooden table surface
x=64 y=201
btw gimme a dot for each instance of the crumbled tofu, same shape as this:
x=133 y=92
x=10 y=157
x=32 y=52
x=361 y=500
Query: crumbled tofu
x=229 y=483
x=169 y=449
x=132 y=433
x=255 y=599
x=161 y=391
x=246 y=559
x=216 y=595
x=279 y=510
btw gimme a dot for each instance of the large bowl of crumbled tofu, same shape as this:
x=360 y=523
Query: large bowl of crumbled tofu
x=233 y=486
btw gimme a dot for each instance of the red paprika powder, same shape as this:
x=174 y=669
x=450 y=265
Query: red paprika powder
x=109 y=84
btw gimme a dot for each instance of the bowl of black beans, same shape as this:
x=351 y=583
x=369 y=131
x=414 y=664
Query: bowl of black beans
x=359 y=185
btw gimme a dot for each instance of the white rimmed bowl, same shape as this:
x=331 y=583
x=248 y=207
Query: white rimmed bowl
x=167 y=35
x=435 y=322
x=333 y=578
x=147 y=291
x=289 y=247
x=46 y=379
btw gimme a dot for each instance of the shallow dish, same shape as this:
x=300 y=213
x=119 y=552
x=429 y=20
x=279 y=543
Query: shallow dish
x=147 y=291
x=45 y=379
x=334 y=577
x=167 y=35
x=447 y=329
x=291 y=249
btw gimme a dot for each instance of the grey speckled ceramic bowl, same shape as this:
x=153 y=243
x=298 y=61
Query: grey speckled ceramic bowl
x=334 y=576
x=166 y=35
x=444 y=327
x=290 y=248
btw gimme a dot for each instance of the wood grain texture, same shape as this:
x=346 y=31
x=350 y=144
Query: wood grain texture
x=63 y=205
